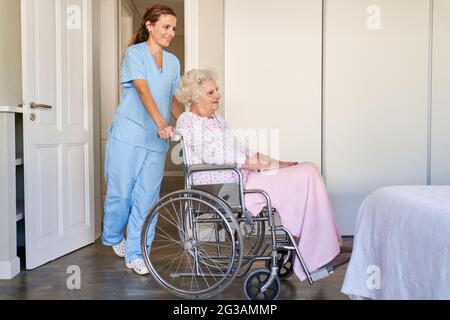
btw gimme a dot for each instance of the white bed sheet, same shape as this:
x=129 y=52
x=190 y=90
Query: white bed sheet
x=404 y=233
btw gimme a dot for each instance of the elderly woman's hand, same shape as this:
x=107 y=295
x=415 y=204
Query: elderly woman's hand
x=283 y=164
x=274 y=164
x=262 y=162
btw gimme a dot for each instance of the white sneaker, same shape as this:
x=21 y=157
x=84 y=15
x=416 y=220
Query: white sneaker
x=119 y=249
x=138 y=265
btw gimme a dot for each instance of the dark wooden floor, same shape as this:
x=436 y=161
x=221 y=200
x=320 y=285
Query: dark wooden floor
x=104 y=276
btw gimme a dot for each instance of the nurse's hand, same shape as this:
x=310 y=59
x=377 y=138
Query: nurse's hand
x=166 y=133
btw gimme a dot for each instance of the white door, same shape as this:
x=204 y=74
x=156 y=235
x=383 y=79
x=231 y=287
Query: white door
x=58 y=136
x=440 y=113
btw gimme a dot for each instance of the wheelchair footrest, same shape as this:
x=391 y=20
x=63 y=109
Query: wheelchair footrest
x=324 y=272
x=321 y=273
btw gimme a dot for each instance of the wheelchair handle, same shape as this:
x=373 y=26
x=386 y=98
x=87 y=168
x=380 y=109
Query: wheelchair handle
x=176 y=136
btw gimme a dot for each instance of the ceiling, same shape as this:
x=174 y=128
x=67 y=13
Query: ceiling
x=176 y=5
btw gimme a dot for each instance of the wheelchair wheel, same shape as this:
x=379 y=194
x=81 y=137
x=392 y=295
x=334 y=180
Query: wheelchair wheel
x=256 y=280
x=195 y=251
x=285 y=262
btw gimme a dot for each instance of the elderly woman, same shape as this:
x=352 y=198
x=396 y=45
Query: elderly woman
x=297 y=190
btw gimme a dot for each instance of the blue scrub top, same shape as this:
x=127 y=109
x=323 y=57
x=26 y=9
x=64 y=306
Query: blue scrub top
x=132 y=123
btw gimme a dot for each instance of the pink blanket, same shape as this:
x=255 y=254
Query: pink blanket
x=300 y=197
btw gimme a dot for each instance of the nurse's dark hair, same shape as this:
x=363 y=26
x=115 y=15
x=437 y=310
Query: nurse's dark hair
x=151 y=14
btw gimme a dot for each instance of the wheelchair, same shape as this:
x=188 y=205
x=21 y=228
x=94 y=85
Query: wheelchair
x=204 y=238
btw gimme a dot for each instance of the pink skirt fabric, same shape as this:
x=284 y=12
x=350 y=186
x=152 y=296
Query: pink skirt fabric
x=300 y=197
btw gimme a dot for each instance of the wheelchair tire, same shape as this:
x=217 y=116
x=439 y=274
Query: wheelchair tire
x=256 y=280
x=192 y=255
x=285 y=261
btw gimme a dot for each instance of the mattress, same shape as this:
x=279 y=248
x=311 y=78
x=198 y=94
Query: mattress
x=401 y=245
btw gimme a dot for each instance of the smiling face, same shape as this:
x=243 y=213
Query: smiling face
x=209 y=100
x=163 y=31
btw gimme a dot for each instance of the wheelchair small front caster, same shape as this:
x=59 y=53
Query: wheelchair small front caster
x=285 y=261
x=256 y=280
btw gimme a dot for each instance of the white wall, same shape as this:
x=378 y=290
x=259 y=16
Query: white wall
x=273 y=72
x=211 y=46
x=10 y=53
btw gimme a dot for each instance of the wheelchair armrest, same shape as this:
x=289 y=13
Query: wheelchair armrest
x=227 y=167
x=201 y=167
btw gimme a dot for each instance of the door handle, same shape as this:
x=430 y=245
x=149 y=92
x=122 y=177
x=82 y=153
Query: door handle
x=40 y=106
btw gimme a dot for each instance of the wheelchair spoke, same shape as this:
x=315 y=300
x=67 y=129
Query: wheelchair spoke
x=185 y=258
x=166 y=266
x=202 y=274
x=192 y=282
x=193 y=271
x=178 y=267
x=178 y=216
x=209 y=270
x=169 y=258
x=216 y=263
x=171 y=262
x=164 y=246
x=176 y=226
x=170 y=214
x=185 y=270
x=174 y=220
x=218 y=266
x=205 y=250
x=168 y=237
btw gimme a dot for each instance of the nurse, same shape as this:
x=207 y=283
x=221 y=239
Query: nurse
x=139 y=135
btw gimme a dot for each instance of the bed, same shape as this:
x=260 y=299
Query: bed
x=401 y=245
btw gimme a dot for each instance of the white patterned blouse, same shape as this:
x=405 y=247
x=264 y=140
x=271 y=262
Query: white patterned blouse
x=209 y=141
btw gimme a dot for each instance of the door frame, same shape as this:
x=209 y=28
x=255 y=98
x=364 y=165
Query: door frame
x=109 y=68
x=124 y=8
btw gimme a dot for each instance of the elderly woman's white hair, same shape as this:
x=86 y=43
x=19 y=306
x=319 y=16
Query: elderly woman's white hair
x=189 y=89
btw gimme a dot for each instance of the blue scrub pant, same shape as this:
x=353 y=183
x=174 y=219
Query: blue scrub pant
x=133 y=177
